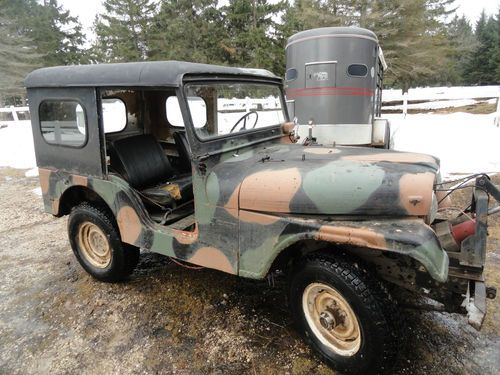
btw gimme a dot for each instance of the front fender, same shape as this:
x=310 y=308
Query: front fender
x=263 y=237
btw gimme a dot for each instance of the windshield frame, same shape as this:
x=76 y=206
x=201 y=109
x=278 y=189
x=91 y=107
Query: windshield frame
x=272 y=129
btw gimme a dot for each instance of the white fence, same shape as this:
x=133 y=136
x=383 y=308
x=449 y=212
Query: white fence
x=433 y=98
x=13 y=115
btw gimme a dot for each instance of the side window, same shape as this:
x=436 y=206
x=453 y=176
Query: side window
x=114 y=115
x=291 y=74
x=197 y=107
x=63 y=122
x=357 y=70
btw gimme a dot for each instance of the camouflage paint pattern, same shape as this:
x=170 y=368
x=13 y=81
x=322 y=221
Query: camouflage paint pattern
x=254 y=203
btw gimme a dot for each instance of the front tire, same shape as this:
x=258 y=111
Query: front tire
x=344 y=314
x=96 y=244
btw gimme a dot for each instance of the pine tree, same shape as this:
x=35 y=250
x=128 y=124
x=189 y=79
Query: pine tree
x=482 y=69
x=187 y=30
x=463 y=43
x=121 y=32
x=251 y=34
x=17 y=59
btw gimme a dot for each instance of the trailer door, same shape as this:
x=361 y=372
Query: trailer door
x=321 y=74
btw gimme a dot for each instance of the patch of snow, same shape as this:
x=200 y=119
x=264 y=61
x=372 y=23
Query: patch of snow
x=37 y=191
x=441 y=93
x=32 y=173
x=438 y=104
x=465 y=143
x=16 y=146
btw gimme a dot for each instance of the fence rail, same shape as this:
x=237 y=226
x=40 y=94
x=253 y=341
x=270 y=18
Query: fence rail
x=429 y=98
x=14 y=114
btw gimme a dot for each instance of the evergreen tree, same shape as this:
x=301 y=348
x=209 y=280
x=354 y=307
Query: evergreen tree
x=32 y=35
x=251 y=34
x=122 y=31
x=17 y=59
x=463 y=44
x=187 y=30
x=482 y=68
x=57 y=35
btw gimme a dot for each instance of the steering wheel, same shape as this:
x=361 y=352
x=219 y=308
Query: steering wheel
x=244 y=119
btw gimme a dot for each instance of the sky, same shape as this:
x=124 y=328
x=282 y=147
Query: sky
x=87 y=10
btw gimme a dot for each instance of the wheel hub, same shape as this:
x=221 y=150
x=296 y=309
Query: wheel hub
x=327 y=320
x=331 y=319
x=94 y=245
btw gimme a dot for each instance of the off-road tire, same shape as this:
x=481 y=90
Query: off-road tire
x=122 y=257
x=375 y=310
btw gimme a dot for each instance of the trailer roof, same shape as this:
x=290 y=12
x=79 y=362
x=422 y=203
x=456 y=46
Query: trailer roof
x=329 y=32
x=150 y=74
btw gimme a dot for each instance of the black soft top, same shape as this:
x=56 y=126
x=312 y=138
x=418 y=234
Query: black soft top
x=151 y=73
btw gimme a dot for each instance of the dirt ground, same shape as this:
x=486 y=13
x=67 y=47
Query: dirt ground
x=167 y=319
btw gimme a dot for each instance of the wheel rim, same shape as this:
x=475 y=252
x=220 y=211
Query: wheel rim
x=331 y=319
x=94 y=245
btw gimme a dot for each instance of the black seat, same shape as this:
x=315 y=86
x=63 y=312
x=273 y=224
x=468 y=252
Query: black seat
x=141 y=161
x=184 y=151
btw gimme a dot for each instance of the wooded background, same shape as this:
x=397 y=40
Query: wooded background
x=424 y=42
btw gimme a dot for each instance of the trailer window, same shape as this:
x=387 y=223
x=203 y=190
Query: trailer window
x=357 y=70
x=63 y=122
x=291 y=74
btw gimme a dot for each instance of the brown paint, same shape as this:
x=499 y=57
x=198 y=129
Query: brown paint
x=361 y=237
x=270 y=191
x=212 y=258
x=415 y=193
x=186 y=237
x=129 y=224
x=287 y=127
x=232 y=204
x=79 y=180
x=396 y=157
x=55 y=206
x=44 y=176
x=257 y=218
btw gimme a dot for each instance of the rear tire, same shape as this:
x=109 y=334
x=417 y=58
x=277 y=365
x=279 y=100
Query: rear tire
x=344 y=314
x=96 y=243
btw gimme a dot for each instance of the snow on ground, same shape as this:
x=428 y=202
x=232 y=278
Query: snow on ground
x=443 y=93
x=465 y=143
x=437 y=104
x=16 y=146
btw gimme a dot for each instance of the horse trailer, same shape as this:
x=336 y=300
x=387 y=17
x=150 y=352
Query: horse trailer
x=334 y=86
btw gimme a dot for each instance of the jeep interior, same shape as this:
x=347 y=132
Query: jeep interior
x=148 y=151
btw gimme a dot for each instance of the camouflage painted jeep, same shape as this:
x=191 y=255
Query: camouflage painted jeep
x=199 y=163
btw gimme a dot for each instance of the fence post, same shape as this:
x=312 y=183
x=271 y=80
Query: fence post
x=14 y=114
x=496 y=120
x=405 y=104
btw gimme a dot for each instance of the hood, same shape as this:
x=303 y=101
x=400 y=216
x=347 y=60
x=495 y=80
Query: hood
x=354 y=181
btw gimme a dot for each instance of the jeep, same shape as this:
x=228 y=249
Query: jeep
x=200 y=163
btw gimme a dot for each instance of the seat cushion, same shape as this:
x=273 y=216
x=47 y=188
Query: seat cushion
x=140 y=160
x=172 y=193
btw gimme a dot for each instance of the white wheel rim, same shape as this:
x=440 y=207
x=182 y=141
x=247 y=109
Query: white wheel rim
x=331 y=319
x=94 y=245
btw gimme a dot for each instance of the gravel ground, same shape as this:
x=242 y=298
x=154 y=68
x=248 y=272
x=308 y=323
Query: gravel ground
x=167 y=319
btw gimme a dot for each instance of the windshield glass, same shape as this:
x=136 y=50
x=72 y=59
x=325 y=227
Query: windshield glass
x=234 y=107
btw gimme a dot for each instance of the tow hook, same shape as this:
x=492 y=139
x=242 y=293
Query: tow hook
x=491 y=292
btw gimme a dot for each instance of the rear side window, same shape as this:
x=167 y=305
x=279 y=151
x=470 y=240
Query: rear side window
x=63 y=122
x=114 y=115
x=357 y=70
